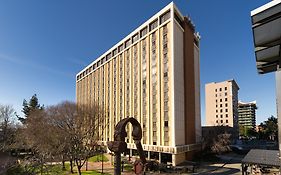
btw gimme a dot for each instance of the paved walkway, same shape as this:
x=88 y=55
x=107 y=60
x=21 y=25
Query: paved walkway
x=106 y=167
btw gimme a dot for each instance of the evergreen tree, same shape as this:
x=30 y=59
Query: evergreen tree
x=269 y=129
x=28 y=107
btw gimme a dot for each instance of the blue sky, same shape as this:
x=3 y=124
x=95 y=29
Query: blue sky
x=43 y=44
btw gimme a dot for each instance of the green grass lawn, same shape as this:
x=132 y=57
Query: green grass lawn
x=98 y=158
x=128 y=167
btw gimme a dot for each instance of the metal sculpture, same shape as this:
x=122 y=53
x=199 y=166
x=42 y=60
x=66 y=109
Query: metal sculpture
x=119 y=145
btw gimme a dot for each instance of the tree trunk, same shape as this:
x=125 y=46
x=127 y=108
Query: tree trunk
x=71 y=166
x=41 y=169
x=78 y=167
x=63 y=165
x=41 y=166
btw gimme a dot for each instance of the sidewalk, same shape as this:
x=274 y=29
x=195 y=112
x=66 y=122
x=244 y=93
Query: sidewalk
x=106 y=167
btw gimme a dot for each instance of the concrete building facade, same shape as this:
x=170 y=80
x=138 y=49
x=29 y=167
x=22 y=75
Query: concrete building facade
x=221 y=103
x=268 y=47
x=247 y=114
x=152 y=75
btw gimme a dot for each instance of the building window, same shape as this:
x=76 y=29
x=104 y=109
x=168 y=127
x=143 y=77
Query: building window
x=127 y=43
x=165 y=17
x=121 y=47
x=135 y=38
x=108 y=56
x=143 y=32
x=166 y=115
x=220 y=89
x=114 y=52
x=226 y=110
x=221 y=121
x=154 y=143
x=216 y=116
x=225 y=99
x=154 y=127
x=225 y=94
x=220 y=105
x=220 y=100
x=216 y=95
x=226 y=115
x=166 y=123
x=221 y=115
x=217 y=121
x=216 y=90
x=225 y=88
x=225 y=104
x=226 y=121
x=221 y=110
x=166 y=135
x=153 y=25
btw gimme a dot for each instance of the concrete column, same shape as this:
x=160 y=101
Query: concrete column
x=148 y=155
x=130 y=154
x=159 y=157
x=278 y=103
x=174 y=159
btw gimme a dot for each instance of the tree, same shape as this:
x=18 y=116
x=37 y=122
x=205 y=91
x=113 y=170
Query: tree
x=247 y=131
x=62 y=132
x=270 y=128
x=78 y=127
x=217 y=139
x=37 y=140
x=7 y=129
x=221 y=143
x=28 y=107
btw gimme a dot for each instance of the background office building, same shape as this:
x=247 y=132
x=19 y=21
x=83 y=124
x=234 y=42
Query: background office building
x=221 y=102
x=152 y=75
x=247 y=114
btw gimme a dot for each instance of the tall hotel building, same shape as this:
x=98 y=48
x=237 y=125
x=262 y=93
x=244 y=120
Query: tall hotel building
x=152 y=75
x=222 y=103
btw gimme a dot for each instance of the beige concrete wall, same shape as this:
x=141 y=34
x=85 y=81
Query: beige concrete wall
x=219 y=103
x=179 y=89
x=198 y=128
x=178 y=158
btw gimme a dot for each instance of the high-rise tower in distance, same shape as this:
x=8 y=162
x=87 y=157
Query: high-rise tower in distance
x=247 y=114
